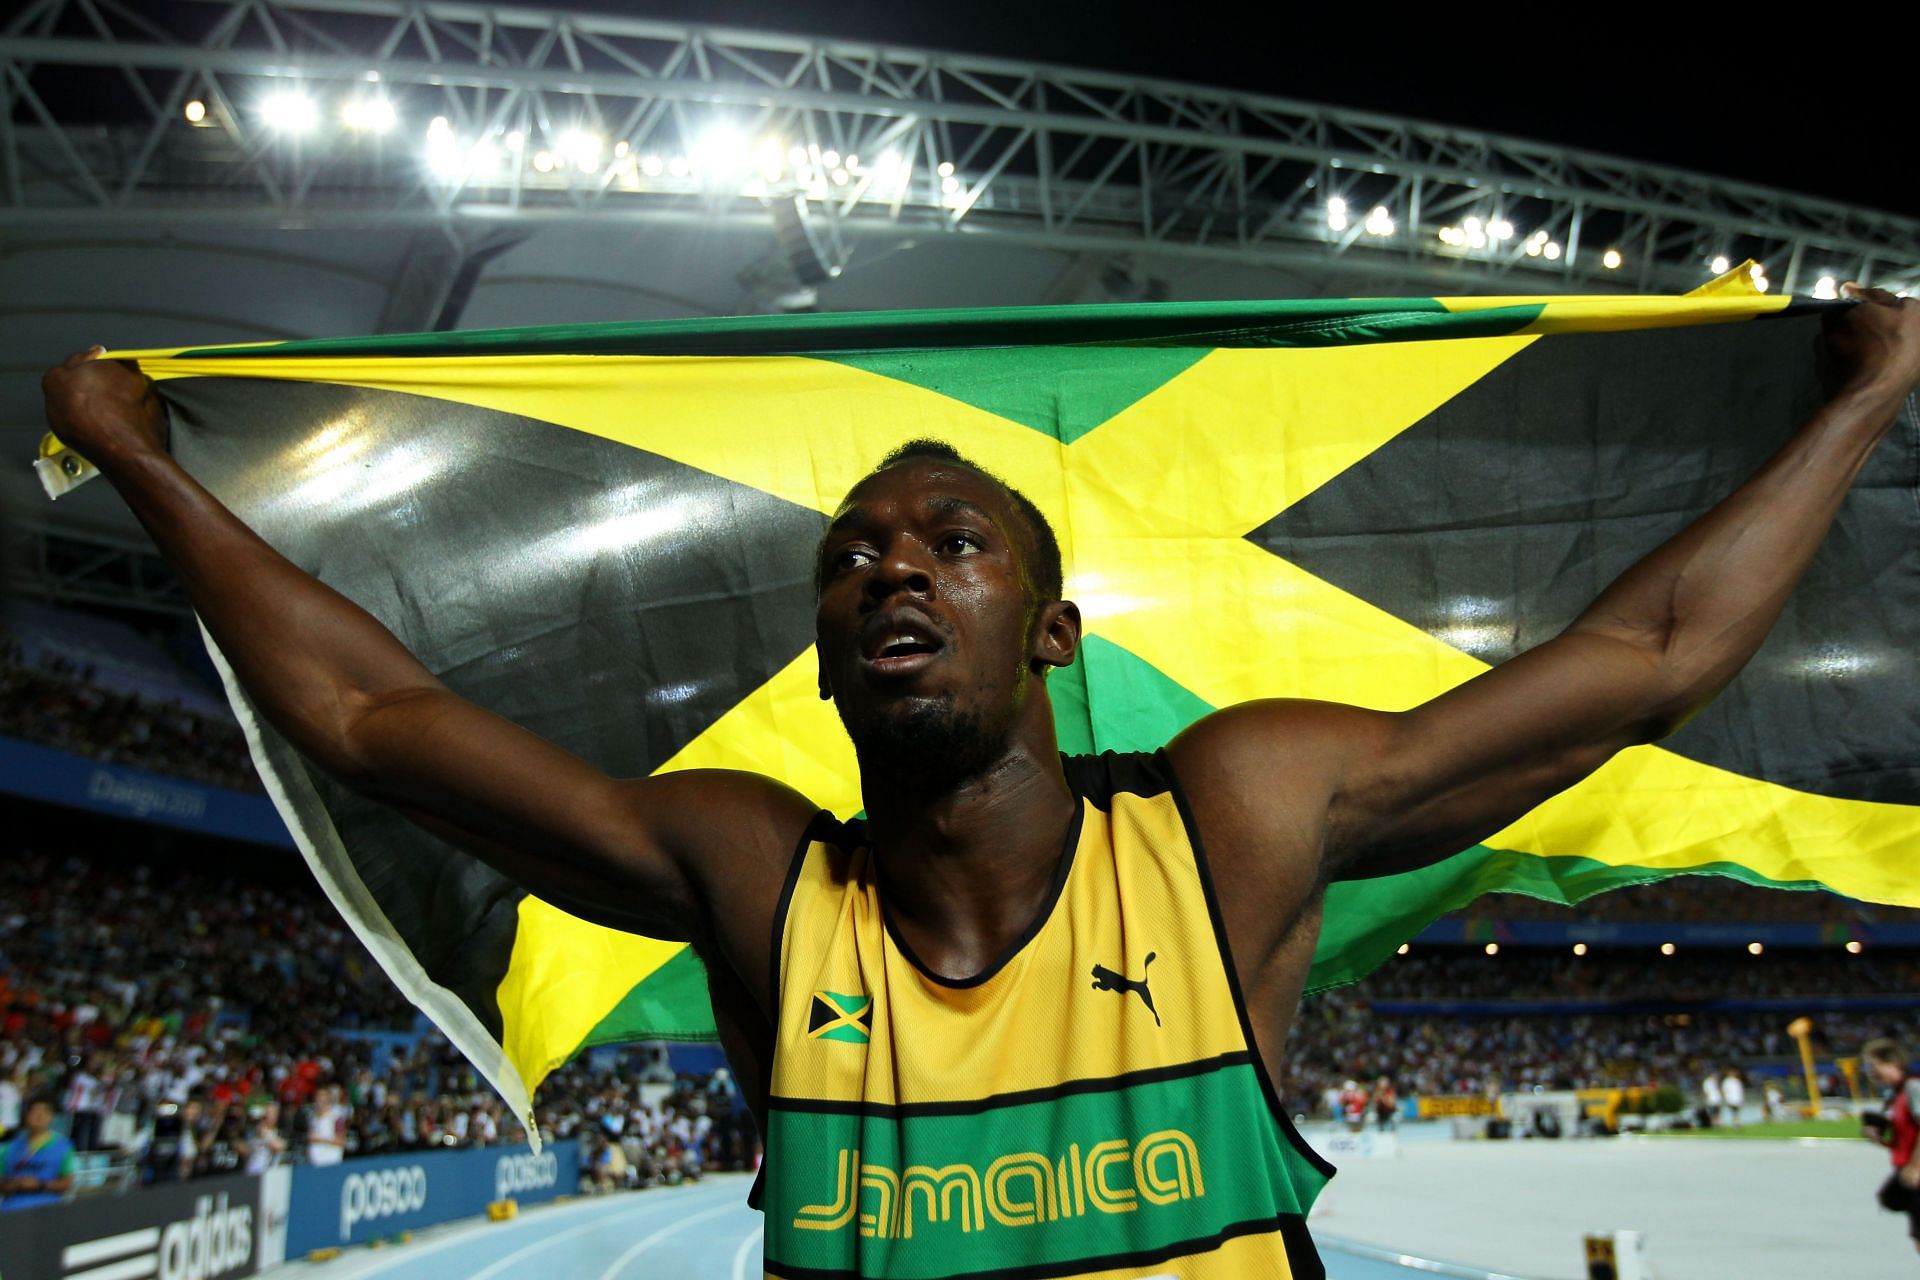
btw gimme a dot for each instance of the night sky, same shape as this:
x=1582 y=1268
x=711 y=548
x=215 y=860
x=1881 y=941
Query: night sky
x=1700 y=94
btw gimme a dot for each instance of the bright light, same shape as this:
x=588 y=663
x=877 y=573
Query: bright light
x=839 y=177
x=369 y=115
x=1337 y=214
x=580 y=148
x=830 y=160
x=949 y=185
x=486 y=157
x=853 y=164
x=1757 y=270
x=1500 y=229
x=1403 y=949
x=1493 y=948
x=1379 y=222
x=1762 y=283
x=1720 y=266
x=289 y=111
x=1826 y=287
x=543 y=161
x=1667 y=948
x=1453 y=236
x=721 y=150
x=516 y=141
x=1579 y=948
x=1611 y=259
x=796 y=156
x=946 y=169
x=652 y=165
x=1853 y=948
x=678 y=166
x=195 y=111
x=1552 y=250
x=1755 y=948
x=439 y=128
x=1476 y=235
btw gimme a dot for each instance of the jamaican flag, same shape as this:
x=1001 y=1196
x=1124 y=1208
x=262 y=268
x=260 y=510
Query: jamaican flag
x=606 y=534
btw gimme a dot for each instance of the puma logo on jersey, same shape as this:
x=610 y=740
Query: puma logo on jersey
x=1105 y=979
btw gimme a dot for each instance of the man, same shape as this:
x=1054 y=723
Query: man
x=1897 y=1128
x=1733 y=1097
x=1043 y=997
x=37 y=1167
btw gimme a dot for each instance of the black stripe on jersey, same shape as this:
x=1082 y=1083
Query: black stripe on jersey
x=1274 y=1105
x=1018 y=1097
x=1099 y=778
x=1302 y=1258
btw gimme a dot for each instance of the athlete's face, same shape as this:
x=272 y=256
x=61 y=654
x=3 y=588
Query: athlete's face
x=930 y=640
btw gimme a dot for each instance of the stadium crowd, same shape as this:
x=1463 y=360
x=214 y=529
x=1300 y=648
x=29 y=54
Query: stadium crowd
x=1694 y=900
x=200 y=1024
x=58 y=703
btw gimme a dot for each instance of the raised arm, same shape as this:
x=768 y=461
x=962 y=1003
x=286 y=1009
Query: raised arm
x=1373 y=793
x=670 y=856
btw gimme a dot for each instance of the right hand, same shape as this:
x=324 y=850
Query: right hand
x=104 y=410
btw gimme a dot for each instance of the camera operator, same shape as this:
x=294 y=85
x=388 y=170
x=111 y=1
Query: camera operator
x=1898 y=1127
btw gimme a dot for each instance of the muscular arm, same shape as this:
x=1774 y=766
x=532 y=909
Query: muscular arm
x=1369 y=793
x=648 y=854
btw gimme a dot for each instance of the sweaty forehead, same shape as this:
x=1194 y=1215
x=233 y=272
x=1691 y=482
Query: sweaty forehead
x=918 y=490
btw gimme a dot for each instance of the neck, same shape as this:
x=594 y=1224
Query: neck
x=965 y=869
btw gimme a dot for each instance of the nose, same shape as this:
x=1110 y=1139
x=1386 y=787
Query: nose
x=902 y=568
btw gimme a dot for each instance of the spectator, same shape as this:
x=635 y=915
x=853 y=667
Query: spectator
x=37 y=1167
x=1898 y=1128
x=326 y=1129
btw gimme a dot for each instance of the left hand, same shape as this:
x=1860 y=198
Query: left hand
x=1877 y=342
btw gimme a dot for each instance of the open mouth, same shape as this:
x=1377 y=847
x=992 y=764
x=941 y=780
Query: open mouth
x=899 y=645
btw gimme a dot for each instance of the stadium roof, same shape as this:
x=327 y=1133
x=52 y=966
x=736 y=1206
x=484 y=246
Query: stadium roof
x=232 y=170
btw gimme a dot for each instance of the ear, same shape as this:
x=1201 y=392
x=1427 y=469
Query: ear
x=1056 y=635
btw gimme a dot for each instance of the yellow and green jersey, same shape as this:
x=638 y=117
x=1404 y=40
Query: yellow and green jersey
x=1090 y=1105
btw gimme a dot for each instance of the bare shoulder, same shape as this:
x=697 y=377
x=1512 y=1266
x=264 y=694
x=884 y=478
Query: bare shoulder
x=733 y=836
x=1262 y=779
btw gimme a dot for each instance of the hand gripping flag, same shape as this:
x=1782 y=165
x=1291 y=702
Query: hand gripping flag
x=606 y=534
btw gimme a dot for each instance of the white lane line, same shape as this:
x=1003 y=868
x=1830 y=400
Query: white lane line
x=740 y=1255
x=649 y=1241
x=411 y=1254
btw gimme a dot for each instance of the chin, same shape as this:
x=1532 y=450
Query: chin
x=924 y=737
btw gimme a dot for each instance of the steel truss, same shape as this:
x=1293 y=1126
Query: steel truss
x=545 y=116
x=81 y=564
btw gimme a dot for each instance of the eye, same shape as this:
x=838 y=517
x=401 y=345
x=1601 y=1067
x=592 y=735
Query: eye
x=959 y=544
x=848 y=558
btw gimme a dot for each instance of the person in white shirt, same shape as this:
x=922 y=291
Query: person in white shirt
x=264 y=1145
x=327 y=1129
x=1710 y=1090
x=1733 y=1096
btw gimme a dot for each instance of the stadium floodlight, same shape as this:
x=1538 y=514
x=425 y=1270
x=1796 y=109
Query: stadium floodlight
x=652 y=165
x=580 y=148
x=1755 y=948
x=678 y=167
x=289 y=111
x=1826 y=287
x=721 y=151
x=1336 y=213
x=1761 y=283
x=516 y=141
x=1667 y=948
x=946 y=169
x=1579 y=948
x=1611 y=259
x=830 y=159
x=1402 y=949
x=543 y=162
x=195 y=111
x=949 y=185
x=839 y=177
x=1853 y=947
x=1720 y=266
x=1551 y=250
x=1379 y=222
x=1493 y=948
x=1499 y=229
x=369 y=115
